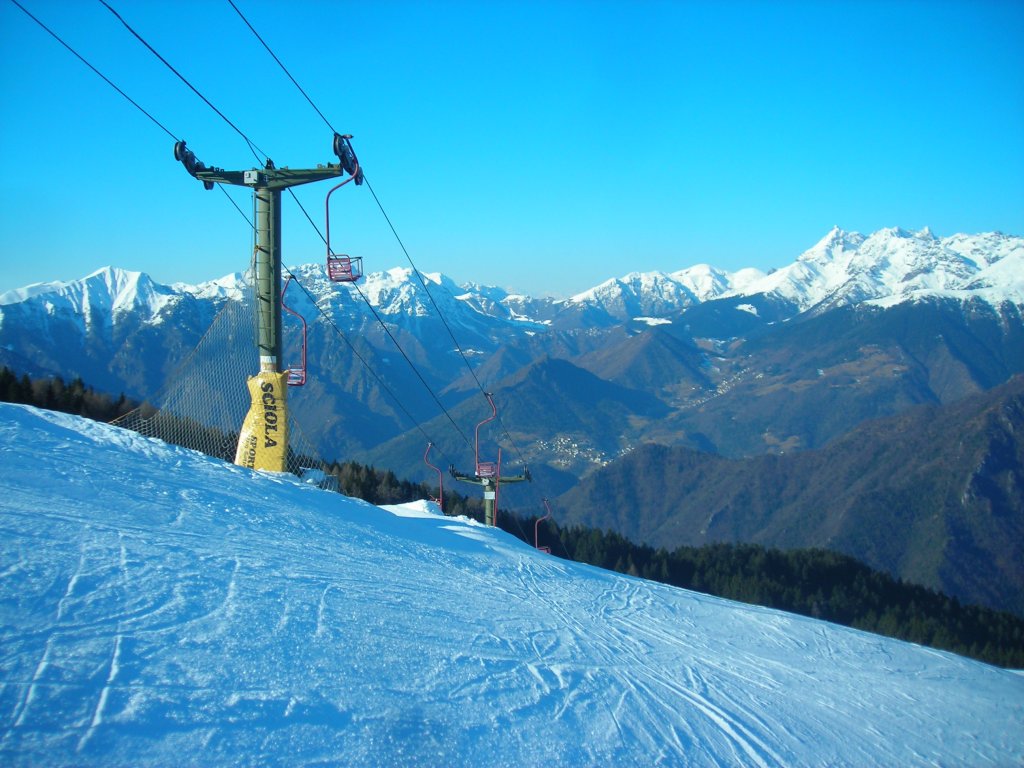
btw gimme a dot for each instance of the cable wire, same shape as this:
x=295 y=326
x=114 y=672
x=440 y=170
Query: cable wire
x=317 y=229
x=128 y=98
x=237 y=207
x=105 y=79
x=280 y=64
x=252 y=147
x=254 y=150
x=166 y=130
x=416 y=270
x=337 y=330
x=440 y=314
x=388 y=331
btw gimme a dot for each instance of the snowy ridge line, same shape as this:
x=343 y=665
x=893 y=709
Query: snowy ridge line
x=295 y=626
x=887 y=267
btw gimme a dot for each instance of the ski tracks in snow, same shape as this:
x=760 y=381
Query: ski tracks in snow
x=648 y=693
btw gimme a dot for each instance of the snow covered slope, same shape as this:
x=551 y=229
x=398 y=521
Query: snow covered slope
x=161 y=608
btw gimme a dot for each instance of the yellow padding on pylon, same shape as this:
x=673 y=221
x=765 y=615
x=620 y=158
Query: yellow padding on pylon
x=263 y=442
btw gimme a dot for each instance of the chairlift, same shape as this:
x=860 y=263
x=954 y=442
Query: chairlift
x=488 y=473
x=485 y=468
x=440 y=479
x=296 y=373
x=536 y=529
x=342 y=268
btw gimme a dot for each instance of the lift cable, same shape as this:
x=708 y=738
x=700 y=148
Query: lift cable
x=423 y=282
x=248 y=221
x=315 y=227
x=128 y=98
x=237 y=206
x=440 y=314
x=252 y=147
x=330 y=321
x=242 y=213
x=390 y=335
x=376 y=376
x=107 y=80
x=408 y=257
x=281 y=64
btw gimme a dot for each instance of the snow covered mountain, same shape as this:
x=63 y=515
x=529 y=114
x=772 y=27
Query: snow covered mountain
x=885 y=268
x=656 y=294
x=109 y=293
x=119 y=329
x=893 y=266
x=159 y=607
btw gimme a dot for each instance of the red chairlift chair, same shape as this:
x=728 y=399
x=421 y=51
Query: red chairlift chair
x=485 y=468
x=342 y=268
x=536 y=529
x=440 y=479
x=296 y=373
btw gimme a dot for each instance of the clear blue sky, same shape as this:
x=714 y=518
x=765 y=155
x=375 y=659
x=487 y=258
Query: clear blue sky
x=540 y=146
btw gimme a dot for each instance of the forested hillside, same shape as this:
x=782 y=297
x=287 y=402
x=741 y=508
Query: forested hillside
x=56 y=395
x=933 y=496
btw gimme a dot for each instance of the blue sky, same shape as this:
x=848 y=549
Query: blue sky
x=539 y=146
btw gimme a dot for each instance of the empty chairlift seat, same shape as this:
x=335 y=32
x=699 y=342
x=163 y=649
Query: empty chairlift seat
x=344 y=269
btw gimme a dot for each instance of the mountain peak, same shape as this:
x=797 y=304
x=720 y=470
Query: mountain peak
x=834 y=242
x=899 y=232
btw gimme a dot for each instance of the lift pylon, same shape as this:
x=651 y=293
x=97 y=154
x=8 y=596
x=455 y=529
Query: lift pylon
x=488 y=473
x=263 y=442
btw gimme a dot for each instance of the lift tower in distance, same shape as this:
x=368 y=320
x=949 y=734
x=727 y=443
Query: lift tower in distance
x=488 y=473
x=263 y=442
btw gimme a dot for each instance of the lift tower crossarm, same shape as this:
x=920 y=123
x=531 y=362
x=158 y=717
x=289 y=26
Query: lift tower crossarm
x=490 y=485
x=270 y=177
x=266 y=184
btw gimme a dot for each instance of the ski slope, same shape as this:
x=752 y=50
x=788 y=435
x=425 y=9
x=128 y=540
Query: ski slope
x=161 y=608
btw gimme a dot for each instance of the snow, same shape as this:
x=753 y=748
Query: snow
x=892 y=266
x=158 y=607
x=19 y=295
x=107 y=293
x=234 y=287
x=654 y=292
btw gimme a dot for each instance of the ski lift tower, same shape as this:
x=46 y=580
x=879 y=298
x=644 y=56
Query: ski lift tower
x=263 y=442
x=488 y=473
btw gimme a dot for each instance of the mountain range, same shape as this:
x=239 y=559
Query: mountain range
x=737 y=365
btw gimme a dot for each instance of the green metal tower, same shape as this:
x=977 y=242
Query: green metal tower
x=263 y=439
